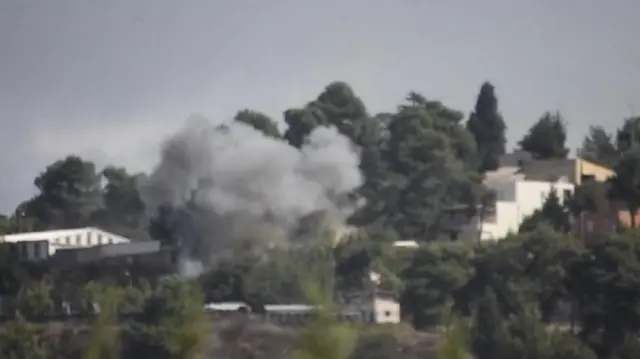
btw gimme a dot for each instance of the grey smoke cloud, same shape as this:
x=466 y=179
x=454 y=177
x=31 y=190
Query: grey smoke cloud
x=251 y=184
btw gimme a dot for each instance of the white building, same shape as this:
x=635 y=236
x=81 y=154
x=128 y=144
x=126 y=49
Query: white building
x=37 y=246
x=373 y=308
x=515 y=199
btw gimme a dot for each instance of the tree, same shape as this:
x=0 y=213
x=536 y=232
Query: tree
x=553 y=212
x=599 y=147
x=605 y=283
x=69 y=192
x=21 y=340
x=488 y=128
x=123 y=210
x=426 y=165
x=336 y=106
x=434 y=279
x=104 y=343
x=175 y=320
x=629 y=135
x=259 y=121
x=35 y=300
x=546 y=138
x=324 y=337
x=625 y=184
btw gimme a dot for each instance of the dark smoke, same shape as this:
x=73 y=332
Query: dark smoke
x=234 y=183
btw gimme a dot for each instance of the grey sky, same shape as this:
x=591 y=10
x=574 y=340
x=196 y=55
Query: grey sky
x=108 y=79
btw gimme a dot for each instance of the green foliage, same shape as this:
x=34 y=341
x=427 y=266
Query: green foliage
x=180 y=326
x=488 y=128
x=553 y=213
x=104 y=339
x=546 y=138
x=627 y=136
x=324 y=337
x=34 y=300
x=454 y=340
x=21 y=340
x=599 y=147
x=419 y=162
x=625 y=185
x=435 y=277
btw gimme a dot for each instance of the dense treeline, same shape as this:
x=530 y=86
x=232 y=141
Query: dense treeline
x=541 y=293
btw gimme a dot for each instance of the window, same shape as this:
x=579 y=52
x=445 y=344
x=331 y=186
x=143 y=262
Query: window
x=88 y=238
x=566 y=194
x=67 y=240
x=490 y=215
x=99 y=238
x=78 y=239
x=587 y=178
x=36 y=250
x=110 y=240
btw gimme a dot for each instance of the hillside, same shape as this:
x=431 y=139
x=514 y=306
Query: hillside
x=243 y=338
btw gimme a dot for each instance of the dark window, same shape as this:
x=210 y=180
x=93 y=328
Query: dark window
x=587 y=178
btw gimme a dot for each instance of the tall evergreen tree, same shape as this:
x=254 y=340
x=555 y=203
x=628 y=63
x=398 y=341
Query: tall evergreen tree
x=599 y=147
x=488 y=128
x=546 y=138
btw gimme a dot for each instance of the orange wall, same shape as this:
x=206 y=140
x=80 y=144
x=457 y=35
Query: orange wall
x=625 y=218
x=600 y=173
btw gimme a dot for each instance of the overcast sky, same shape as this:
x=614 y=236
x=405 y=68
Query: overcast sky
x=108 y=79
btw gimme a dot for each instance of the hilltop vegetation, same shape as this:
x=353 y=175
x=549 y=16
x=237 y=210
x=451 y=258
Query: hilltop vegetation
x=539 y=294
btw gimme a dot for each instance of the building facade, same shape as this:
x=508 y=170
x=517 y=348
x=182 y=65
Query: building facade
x=39 y=246
x=575 y=170
x=515 y=198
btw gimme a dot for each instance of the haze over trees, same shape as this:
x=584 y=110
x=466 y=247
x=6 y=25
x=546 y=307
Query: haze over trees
x=540 y=293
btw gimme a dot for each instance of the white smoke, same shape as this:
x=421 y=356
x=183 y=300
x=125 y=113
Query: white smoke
x=243 y=178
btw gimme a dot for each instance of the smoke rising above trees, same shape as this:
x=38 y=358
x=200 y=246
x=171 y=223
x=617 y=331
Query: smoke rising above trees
x=241 y=177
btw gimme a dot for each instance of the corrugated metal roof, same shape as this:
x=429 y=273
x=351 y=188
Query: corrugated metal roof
x=226 y=306
x=57 y=233
x=288 y=308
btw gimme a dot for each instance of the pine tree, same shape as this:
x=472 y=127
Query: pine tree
x=488 y=128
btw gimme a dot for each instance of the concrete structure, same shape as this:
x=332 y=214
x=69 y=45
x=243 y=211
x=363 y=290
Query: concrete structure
x=102 y=252
x=378 y=307
x=575 y=170
x=226 y=307
x=515 y=199
x=38 y=246
x=410 y=243
x=375 y=307
x=146 y=258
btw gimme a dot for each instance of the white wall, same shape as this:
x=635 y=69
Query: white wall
x=516 y=200
x=69 y=238
x=386 y=311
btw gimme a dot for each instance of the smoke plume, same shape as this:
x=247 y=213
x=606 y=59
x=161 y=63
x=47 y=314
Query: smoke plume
x=233 y=182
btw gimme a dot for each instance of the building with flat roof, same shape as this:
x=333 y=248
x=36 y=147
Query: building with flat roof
x=576 y=170
x=39 y=246
x=515 y=198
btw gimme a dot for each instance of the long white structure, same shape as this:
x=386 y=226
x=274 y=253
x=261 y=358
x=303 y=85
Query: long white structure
x=37 y=246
